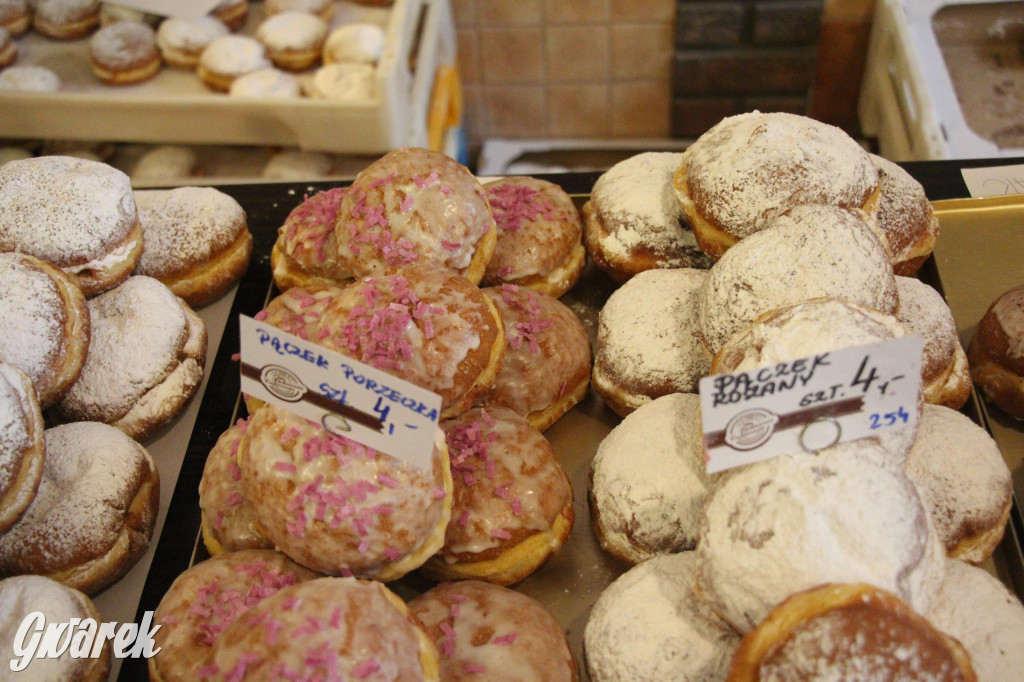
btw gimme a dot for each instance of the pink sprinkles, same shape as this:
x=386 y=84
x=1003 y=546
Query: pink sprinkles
x=513 y=204
x=530 y=328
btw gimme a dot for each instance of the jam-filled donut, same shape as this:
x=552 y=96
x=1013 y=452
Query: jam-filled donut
x=512 y=505
x=634 y=222
x=124 y=52
x=76 y=214
x=140 y=381
x=206 y=599
x=15 y=16
x=539 y=236
x=736 y=178
x=22 y=445
x=485 y=631
x=66 y=19
x=305 y=253
x=93 y=515
x=232 y=13
x=293 y=40
x=996 y=353
x=546 y=368
x=228 y=58
x=906 y=219
x=182 y=41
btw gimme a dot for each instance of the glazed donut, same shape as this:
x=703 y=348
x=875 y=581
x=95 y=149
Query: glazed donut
x=964 y=482
x=648 y=343
x=124 y=52
x=744 y=172
x=228 y=58
x=15 y=17
x=807 y=252
x=945 y=376
x=481 y=629
x=512 y=502
x=906 y=219
x=416 y=206
x=93 y=515
x=181 y=41
x=634 y=222
x=321 y=8
x=646 y=501
x=44 y=324
x=266 y=83
x=232 y=13
x=8 y=48
x=75 y=214
x=344 y=82
x=848 y=632
x=24 y=595
x=197 y=241
x=650 y=624
x=206 y=599
x=339 y=507
x=66 y=19
x=22 y=446
x=539 y=236
x=293 y=40
x=996 y=353
x=29 y=79
x=229 y=523
x=305 y=253
x=357 y=42
x=163 y=163
x=138 y=382
x=328 y=628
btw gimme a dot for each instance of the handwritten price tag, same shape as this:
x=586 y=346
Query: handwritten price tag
x=995 y=181
x=347 y=397
x=811 y=403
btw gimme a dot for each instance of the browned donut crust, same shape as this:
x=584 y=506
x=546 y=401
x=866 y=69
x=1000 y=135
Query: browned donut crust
x=124 y=52
x=15 y=17
x=232 y=12
x=22 y=446
x=906 y=220
x=996 y=353
x=66 y=19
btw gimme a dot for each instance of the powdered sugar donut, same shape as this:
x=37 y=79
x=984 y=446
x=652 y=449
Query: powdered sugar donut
x=111 y=13
x=996 y=353
x=305 y=253
x=293 y=40
x=29 y=78
x=232 y=13
x=22 y=447
x=266 y=83
x=358 y=42
x=182 y=41
x=906 y=219
x=124 y=52
x=8 y=48
x=345 y=82
x=295 y=164
x=65 y=19
x=15 y=16
x=228 y=58
x=94 y=513
x=321 y=8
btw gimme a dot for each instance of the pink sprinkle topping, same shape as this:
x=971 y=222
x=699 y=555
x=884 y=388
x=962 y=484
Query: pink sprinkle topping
x=207 y=671
x=336 y=617
x=464 y=518
x=474 y=669
x=505 y=271
x=365 y=668
x=451 y=246
x=235 y=357
x=235 y=498
x=406 y=204
x=514 y=204
x=505 y=640
x=286 y=467
x=501 y=534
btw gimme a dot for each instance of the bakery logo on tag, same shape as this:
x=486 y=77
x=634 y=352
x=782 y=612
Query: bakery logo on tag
x=81 y=638
x=283 y=383
x=750 y=429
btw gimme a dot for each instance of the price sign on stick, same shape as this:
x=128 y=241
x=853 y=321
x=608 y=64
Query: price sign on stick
x=346 y=397
x=811 y=403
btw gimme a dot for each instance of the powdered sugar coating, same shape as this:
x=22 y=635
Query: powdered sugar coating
x=64 y=11
x=292 y=30
x=272 y=83
x=345 y=82
x=15 y=424
x=190 y=36
x=29 y=78
x=124 y=45
x=234 y=55
x=905 y=216
x=1009 y=313
x=357 y=42
x=923 y=311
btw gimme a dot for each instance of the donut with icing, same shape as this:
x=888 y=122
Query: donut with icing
x=356 y=42
x=633 y=221
x=29 y=78
x=293 y=40
x=539 y=236
x=197 y=241
x=94 y=513
x=736 y=178
x=182 y=41
x=906 y=219
x=66 y=19
x=305 y=253
x=206 y=599
x=76 y=214
x=324 y=9
x=15 y=17
x=996 y=353
x=485 y=630
x=138 y=382
x=347 y=82
x=124 y=52
x=232 y=13
x=8 y=48
x=648 y=341
x=230 y=57
x=266 y=83
x=23 y=448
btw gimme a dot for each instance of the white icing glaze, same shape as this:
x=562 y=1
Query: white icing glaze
x=357 y=42
x=226 y=515
x=271 y=83
x=29 y=78
x=345 y=82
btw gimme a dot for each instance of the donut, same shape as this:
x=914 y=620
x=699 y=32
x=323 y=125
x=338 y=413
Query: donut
x=66 y=19
x=298 y=165
x=197 y=241
x=228 y=58
x=807 y=252
x=416 y=206
x=111 y=13
x=24 y=595
x=93 y=515
x=945 y=375
x=22 y=446
x=539 y=236
x=648 y=342
x=29 y=78
x=165 y=163
x=124 y=52
x=44 y=324
x=765 y=526
x=353 y=84
x=328 y=628
x=182 y=41
x=512 y=502
x=646 y=501
x=232 y=13
x=293 y=40
x=489 y=631
x=546 y=367
x=324 y=9
x=964 y=482
x=650 y=624
x=996 y=353
x=8 y=48
x=744 y=172
x=906 y=218
x=357 y=42
x=229 y=524
x=848 y=632
x=305 y=253
x=206 y=599
x=15 y=17
x=138 y=382
x=266 y=83
x=75 y=214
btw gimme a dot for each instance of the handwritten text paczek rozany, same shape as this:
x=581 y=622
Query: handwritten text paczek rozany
x=733 y=388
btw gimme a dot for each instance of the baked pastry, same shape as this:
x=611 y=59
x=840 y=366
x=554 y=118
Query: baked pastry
x=646 y=501
x=356 y=42
x=206 y=599
x=352 y=84
x=181 y=41
x=8 y=48
x=512 y=502
x=293 y=40
x=124 y=52
x=294 y=164
x=93 y=515
x=165 y=163
x=906 y=219
x=546 y=366
x=650 y=624
x=65 y=19
x=232 y=13
x=848 y=632
x=539 y=236
x=138 y=382
x=44 y=324
x=29 y=78
x=648 y=343
x=996 y=353
x=807 y=252
x=228 y=58
x=321 y=8
x=23 y=596
x=111 y=13
x=75 y=214
x=744 y=172
x=489 y=631
x=197 y=241
x=22 y=447
x=633 y=221
x=266 y=84
x=15 y=16
x=305 y=252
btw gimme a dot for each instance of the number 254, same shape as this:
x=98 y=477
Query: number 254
x=889 y=418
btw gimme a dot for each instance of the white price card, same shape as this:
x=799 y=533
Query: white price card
x=347 y=397
x=994 y=181
x=810 y=404
x=183 y=9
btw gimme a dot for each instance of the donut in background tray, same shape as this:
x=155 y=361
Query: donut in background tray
x=996 y=353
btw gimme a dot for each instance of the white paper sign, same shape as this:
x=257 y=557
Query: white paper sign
x=349 y=398
x=183 y=9
x=995 y=181
x=810 y=403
